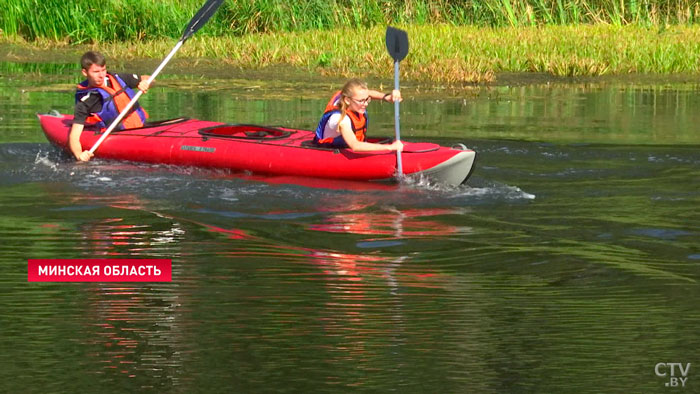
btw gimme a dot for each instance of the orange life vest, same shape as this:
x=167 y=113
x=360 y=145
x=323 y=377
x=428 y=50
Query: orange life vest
x=115 y=98
x=358 y=122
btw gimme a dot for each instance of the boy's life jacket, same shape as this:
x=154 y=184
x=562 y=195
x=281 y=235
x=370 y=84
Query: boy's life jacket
x=358 y=122
x=115 y=98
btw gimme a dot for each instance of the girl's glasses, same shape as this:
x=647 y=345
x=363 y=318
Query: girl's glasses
x=363 y=101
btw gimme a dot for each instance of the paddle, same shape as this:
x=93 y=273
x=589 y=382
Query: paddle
x=397 y=45
x=199 y=19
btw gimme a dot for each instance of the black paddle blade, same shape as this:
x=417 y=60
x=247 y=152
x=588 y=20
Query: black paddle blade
x=396 y=43
x=201 y=18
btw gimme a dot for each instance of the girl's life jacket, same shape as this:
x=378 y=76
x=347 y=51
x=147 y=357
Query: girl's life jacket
x=358 y=122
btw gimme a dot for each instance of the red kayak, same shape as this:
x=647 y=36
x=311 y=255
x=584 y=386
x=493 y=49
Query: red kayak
x=262 y=150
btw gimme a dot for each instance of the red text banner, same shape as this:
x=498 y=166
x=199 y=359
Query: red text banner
x=99 y=270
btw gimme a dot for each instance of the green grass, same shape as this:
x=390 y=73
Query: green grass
x=80 y=21
x=452 y=55
x=451 y=41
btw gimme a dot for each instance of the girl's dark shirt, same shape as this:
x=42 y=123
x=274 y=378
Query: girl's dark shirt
x=92 y=102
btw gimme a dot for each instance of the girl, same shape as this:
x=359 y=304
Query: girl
x=344 y=123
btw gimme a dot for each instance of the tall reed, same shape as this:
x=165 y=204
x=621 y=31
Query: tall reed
x=78 y=21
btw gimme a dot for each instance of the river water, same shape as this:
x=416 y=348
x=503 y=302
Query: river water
x=568 y=263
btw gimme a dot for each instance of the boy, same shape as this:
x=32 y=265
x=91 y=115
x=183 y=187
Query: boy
x=100 y=98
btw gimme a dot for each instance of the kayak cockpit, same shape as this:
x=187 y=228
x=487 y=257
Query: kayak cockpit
x=245 y=132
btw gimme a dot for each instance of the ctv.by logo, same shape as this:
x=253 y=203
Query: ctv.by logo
x=670 y=369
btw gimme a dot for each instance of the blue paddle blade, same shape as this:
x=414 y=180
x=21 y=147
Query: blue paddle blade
x=396 y=43
x=201 y=18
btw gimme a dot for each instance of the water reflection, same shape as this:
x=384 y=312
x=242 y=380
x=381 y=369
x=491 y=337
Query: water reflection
x=134 y=331
x=396 y=223
x=129 y=331
x=117 y=236
x=620 y=112
x=288 y=285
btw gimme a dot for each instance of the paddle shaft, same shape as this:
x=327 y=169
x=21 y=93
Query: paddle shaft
x=399 y=163
x=136 y=97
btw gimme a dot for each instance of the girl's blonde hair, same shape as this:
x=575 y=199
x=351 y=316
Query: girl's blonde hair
x=347 y=92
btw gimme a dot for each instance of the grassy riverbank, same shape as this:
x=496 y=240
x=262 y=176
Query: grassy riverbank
x=80 y=21
x=439 y=53
x=451 y=41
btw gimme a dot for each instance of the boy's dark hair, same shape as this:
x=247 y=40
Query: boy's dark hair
x=90 y=57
